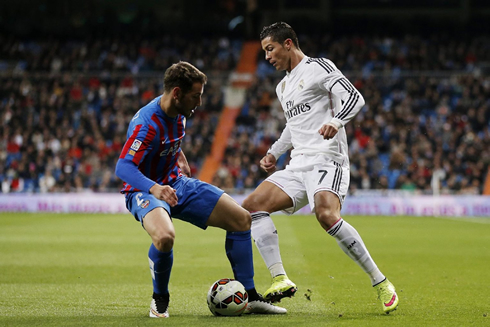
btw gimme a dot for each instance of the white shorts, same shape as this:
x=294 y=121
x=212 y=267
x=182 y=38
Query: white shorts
x=301 y=186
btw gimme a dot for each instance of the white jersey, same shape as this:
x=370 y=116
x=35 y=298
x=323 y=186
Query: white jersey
x=314 y=93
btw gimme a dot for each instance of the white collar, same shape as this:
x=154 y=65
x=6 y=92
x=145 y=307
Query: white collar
x=295 y=69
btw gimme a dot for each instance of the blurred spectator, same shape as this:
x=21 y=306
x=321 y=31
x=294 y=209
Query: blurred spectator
x=64 y=132
x=65 y=105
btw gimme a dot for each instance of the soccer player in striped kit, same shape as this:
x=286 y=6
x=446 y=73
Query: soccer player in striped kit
x=158 y=187
x=317 y=101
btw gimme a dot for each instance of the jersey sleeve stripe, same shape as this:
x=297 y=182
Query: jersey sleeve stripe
x=326 y=66
x=352 y=101
x=129 y=142
x=145 y=145
x=336 y=81
x=347 y=85
x=322 y=64
x=325 y=62
x=347 y=105
x=347 y=109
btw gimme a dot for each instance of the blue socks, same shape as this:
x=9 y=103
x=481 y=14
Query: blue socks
x=160 y=268
x=238 y=248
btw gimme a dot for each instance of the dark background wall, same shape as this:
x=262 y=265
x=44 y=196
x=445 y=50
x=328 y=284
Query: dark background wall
x=240 y=17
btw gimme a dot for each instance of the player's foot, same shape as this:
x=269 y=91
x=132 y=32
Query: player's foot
x=159 y=306
x=387 y=295
x=281 y=287
x=261 y=306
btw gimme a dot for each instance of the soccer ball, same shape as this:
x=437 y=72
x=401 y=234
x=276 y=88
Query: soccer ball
x=227 y=297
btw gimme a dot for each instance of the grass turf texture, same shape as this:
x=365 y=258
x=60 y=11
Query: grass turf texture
x=71 y=269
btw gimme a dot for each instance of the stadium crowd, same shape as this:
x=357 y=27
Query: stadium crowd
x=65 y=110
x=65 y=107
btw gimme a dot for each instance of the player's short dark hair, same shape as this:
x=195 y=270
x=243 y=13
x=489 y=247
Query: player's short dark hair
x=280 y=32
x=182 y=75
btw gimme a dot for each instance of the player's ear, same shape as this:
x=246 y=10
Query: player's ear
x=288 y=43
x=176 y=92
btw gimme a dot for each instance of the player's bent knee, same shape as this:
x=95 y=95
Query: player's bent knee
x=327 y=218
x=164 y=241
x=243 y=222
x=230 y=216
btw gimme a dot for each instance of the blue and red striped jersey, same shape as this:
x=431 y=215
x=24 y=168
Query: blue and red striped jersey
x=153 y=147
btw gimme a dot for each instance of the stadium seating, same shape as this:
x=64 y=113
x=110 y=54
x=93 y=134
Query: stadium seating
x=65 y=107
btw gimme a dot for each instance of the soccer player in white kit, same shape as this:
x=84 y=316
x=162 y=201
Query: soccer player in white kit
x=318 y=101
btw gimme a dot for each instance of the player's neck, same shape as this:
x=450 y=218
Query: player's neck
x=296 y=58
x=166 y=105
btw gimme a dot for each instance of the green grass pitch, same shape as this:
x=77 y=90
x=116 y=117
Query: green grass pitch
x=85 y=270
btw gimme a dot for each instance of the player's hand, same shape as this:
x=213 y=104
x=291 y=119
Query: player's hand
x=328 y=131
x=165 y=193
x=268 y=163
x=183 y=164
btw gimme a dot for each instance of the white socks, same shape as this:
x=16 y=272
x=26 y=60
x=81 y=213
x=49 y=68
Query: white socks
x=351 y=243
x=265 y=236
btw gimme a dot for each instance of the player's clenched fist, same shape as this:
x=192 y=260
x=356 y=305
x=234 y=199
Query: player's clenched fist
x=328 y=131
x=165 y=193
x=268 y=163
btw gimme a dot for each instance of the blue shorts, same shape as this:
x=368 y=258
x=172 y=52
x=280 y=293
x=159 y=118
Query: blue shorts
x=196 y=202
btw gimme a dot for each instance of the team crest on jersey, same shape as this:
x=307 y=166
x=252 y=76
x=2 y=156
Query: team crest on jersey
x=301 y=85
x=145 y=204
x=283 y=86
x=136 y=145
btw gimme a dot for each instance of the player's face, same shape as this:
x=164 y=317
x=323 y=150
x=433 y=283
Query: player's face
x=276 y=54
x=188 y=102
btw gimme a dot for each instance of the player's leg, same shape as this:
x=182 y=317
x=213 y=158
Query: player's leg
x=205 y=205
x=327 y=211
x=228 y=215
x=268 y=197
x=153 y=215
x=160 y=256
x=265 y=199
